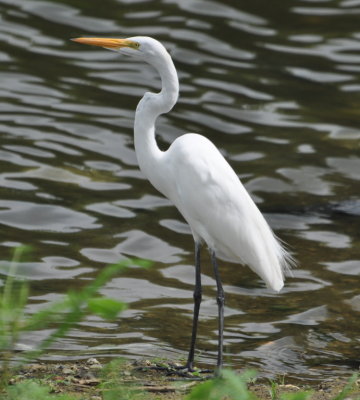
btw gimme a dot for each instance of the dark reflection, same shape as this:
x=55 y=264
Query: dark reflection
x=273 y=85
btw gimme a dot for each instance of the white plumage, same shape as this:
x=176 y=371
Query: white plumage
x=219 y=210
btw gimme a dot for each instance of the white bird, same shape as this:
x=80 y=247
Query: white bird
x=194 y=175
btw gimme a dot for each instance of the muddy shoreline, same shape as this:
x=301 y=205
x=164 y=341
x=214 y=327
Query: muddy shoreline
x=88 y=380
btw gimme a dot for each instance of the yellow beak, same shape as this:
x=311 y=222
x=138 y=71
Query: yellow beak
x=108 y=43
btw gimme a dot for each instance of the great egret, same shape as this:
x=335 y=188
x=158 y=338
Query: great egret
x=194 y=175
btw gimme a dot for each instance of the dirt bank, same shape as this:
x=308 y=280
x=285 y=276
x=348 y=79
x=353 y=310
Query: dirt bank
x=89 y=380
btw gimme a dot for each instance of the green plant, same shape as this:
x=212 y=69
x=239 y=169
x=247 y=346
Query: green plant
x=61 y=315
x=33 y=391
x=273 y=390
x=13 y=299
x=113 y=387
x=303 y=395
x=348 y=388
x=228 y=385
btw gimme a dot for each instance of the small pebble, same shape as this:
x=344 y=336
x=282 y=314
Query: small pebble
x=95 y=367
x=93 y=361
x=88 y=375
x=289 y=387
x=34 y=367
x=67 y=371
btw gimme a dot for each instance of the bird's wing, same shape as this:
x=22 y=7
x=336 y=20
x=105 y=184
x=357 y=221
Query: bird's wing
x=206 y=187
x=219 y=210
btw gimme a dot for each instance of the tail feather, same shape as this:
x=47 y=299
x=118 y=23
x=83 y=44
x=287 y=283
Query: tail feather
x=270 y=258
x=277 y=265
x=287 y=261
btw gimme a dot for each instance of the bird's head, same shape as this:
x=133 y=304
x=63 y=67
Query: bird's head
x=140 y=47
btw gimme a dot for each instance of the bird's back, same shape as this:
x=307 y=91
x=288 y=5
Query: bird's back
x=219 y=210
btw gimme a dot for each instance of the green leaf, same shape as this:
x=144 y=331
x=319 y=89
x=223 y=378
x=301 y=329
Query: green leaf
x=204 y=391
x=296 y=396
x=28 y=391
x=229 y=385
x=142 y=263
x=106 y=308
x=31 y=390
x=348 y=387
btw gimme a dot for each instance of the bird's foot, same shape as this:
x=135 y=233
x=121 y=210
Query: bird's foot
x=188 y=371
x=181 y=371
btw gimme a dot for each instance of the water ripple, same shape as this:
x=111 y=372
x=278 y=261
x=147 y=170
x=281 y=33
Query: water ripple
x=275 y=88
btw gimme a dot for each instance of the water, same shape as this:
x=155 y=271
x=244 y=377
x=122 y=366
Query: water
x=274 y=85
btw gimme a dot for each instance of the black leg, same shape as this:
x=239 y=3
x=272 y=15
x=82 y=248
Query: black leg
x=220 y=298
x=197 y=301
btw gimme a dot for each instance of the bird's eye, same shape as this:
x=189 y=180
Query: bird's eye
x=135 y=45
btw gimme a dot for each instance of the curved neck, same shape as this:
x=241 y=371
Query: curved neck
x=149 y=108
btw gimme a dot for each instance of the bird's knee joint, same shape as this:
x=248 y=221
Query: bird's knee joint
x=197 y=295
x=220 y=300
